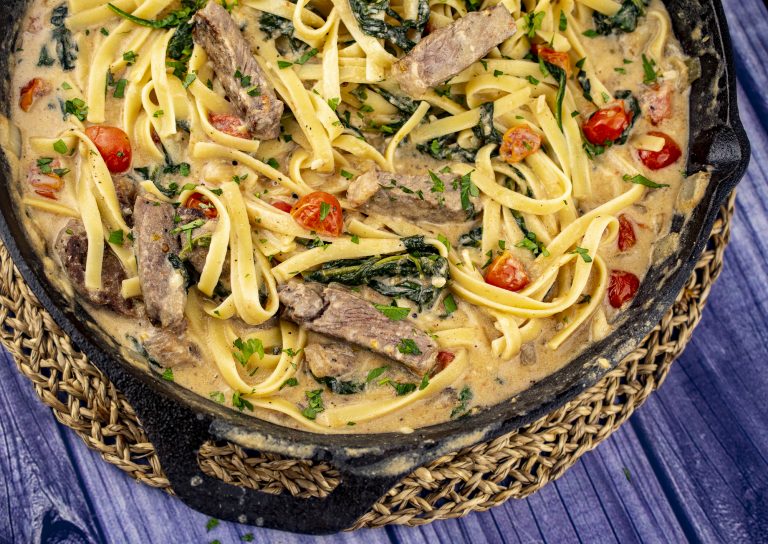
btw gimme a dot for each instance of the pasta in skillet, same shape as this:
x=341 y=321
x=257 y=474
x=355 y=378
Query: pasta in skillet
x=352 y=216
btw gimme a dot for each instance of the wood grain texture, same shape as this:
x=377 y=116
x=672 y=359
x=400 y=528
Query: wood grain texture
x=691 y=465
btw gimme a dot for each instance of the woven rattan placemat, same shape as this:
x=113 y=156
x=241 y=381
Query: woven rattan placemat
x=474 y=479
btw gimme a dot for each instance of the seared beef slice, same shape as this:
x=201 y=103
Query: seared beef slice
x=411 y=197
x=451 y=49
x=337 y=311
x=157 y=250
x=72 y=249
x=333 y=360
x=229 y=52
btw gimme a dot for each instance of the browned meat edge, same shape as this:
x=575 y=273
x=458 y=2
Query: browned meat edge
x=72 y=249
x=336 y=311
x=413 y=197
x=229 y=52
x=451 y=49
x=162 y=283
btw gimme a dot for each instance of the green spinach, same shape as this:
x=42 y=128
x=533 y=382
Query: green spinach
x=412 y=275
x=624 y=21
x=369 y=15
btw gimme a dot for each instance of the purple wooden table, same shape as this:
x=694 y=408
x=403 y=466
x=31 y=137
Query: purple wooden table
x=690 y=465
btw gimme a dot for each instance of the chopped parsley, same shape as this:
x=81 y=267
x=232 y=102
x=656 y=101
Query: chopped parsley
x=650 y=74
x=245 y=350
x=424 y=382
x=117 y=237
x=395 y=313
x=120 y=86
x=217 y=396
x=240 y=403
x=306 y=56
x=325 y=209
x=464 y=397
x=639 y=179
x=449 y=303
x=375 y=373
x=76 y=107
x=212 y=524
x=584 y=253
x=60 y=147
x=314 y=404
x=290 y=382
x=468 y=189
x=408 y=347
x=345 y=174
x=167 y=375
x=532 y=22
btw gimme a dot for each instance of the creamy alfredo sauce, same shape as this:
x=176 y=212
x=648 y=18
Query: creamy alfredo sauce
x=500 y=353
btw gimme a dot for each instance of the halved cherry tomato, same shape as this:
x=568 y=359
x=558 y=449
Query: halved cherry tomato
x=114 y=146
x=622 y=287
x=35 y=88
x=319 y=212
x=507 y=272
x=230 y=124
x=656 y=160
x=46 y=184
x=658 y=103
x=519 y=143
x=553 y=57
x=627 y=238
x=444 y=358
x=608 y=124
x=283 y=206
x=196 y=201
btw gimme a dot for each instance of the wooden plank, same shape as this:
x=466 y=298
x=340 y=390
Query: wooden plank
x=40 y=493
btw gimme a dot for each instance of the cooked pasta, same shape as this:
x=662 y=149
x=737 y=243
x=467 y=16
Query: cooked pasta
x=347 y=216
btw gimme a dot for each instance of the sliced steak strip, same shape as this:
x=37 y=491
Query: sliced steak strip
x=72 y=249
x=162 y=279
x=338 y=312
x=330 y=360
x=449 y=50
x=126 y=189
x=229 y=52
x=410 y=197
x=172 y=347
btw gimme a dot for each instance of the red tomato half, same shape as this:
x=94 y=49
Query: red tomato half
x=553 y=57
x=196 y=201
x=656 y=160
x=283 y=206
x=627 y=238
x=607 y=125
x=507 y=272
x=319 y=212
x=114 y=146
x=622 y=287
x=444 y=358
x=229 y=124
x=35 y=88
x=519 y=143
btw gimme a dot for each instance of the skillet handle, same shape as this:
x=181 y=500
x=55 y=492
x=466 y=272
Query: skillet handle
x=178 y=433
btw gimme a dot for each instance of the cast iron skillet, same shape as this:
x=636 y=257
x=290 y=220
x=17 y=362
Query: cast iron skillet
x=178 y=421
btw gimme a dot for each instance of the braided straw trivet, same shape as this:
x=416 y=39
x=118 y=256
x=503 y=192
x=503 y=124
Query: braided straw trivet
x=474 y=479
